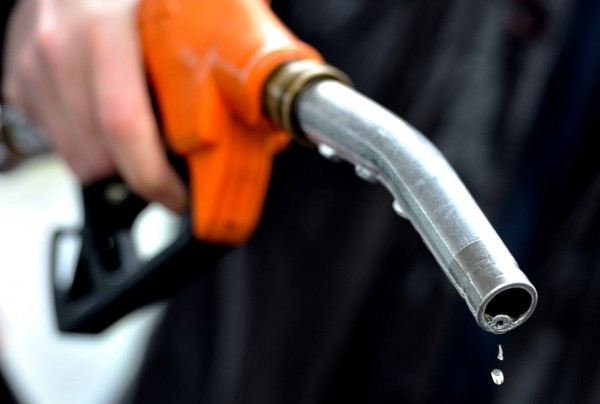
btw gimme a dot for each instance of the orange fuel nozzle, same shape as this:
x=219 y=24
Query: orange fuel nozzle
x=208 y=62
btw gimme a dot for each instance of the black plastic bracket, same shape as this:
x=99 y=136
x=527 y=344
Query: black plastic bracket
x=110 y=281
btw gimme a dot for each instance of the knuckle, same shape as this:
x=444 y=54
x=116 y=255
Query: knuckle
x=78 y=165
x=88 y=164
x=10 y=91
x=92 y=31
x=48 y=44
x=89 y=169
x=103 y=166
x=148 y=186
x=117 y=118
x=25 y=68
x=98 y=24
x=21 y=71
x=114 y=121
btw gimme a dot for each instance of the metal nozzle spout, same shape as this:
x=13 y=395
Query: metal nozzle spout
x=426 y=190
x=497 y=292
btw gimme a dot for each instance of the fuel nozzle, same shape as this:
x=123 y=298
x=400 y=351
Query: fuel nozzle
x=315 y=103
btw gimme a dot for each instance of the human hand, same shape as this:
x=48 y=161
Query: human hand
x=75 y=68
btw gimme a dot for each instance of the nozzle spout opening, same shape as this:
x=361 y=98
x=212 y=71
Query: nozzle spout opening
x=508 y=308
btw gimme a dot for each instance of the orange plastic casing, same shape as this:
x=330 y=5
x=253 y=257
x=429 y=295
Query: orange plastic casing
x=208 y=61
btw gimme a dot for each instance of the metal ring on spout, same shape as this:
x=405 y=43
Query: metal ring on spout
x=284 y=86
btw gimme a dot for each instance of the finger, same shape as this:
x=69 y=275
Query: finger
x=39 y=73
x=63 y=58
x=42 y=108
x=125 y=115
x=28 y=91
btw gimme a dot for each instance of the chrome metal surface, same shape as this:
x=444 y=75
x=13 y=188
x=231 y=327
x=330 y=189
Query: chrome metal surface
x=426 y=191
x=284 y=85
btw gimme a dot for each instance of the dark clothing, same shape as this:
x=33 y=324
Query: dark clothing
x=6 y=393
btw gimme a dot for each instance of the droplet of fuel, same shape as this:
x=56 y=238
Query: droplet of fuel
x=365 y=173
x=500 y=353
x=497 y=376
x=398 y=209
x=328 y=152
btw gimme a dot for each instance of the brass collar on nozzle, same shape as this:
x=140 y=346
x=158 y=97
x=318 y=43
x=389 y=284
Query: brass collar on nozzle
x=284 y=86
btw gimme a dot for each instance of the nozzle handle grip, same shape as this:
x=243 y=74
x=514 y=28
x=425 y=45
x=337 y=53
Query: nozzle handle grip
x=110 y=280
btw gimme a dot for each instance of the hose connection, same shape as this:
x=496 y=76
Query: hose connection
x=284 y=86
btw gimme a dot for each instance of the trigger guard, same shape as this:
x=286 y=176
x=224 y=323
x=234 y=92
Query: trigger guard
x=110 y=281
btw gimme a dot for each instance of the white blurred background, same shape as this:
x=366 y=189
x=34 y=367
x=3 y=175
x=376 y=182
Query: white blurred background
x=40 y=364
